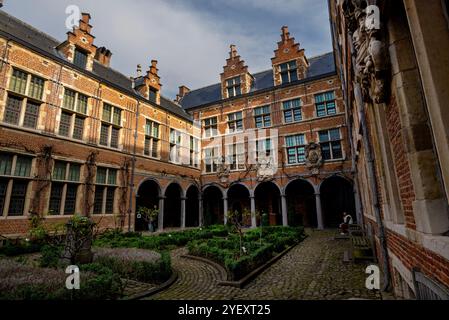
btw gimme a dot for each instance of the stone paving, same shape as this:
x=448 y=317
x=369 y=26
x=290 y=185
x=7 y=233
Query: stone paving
x=312 y=270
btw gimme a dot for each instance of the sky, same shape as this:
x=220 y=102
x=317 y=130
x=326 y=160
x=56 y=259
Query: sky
x=189 y=38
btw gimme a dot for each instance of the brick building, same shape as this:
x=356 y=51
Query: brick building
x=78 y=137
x=393 y=63
x=275 y=141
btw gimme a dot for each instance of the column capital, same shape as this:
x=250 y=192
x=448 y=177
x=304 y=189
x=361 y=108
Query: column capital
x=162 y=197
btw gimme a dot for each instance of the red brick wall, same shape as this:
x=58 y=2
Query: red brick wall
x=401 y=163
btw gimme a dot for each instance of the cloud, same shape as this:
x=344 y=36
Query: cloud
x=190 y=39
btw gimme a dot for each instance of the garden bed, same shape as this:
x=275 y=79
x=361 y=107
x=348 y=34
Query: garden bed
x=258 y=247
x=162 y=241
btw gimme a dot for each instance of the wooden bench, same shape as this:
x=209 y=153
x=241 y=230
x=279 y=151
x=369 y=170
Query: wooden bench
x=361 y=247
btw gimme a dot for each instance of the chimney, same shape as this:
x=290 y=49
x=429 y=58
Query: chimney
x=285 y=34
x=139 y=70
x=103 y=56
x=183 y=90
x=153 y=68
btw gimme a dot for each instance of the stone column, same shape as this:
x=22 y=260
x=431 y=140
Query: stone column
x=200 y=211
x=225 y=210
x=284 y=210
x=160 y=223
x=183 y=212
x=319 y=212
x=253 y=212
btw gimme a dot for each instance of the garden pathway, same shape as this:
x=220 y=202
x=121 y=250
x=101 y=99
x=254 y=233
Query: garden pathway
x=312 y=270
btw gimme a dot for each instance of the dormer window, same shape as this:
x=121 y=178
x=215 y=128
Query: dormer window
x=80 y=58
x=288 y=72
x=152 y=95
x=233 y=87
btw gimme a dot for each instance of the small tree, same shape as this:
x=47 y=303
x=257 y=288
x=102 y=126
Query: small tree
x=149 y=215
x=236 y=220
x=78 y=241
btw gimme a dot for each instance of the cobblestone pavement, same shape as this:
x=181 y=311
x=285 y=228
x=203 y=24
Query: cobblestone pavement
x=312 y=270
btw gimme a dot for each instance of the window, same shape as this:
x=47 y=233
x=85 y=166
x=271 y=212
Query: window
x=75 y=101
x=110 y=127
x=175 y=146
x=235 y=121
x=152 y=95
x=19 y=81
x=235 y=154
x=288 y=71
x=263 y=150
x=151 y=147
x=330 y=141
x=210 y=159
x=295 y=147
x=292 y=110
x=31 y=115
x=105 y=190
x=64 y=188
x=325 y=104
x=194 y=152
x=80 y=58
x=23 y=110
x=233 y=87
x=15 y=176
x=262 y=117
x=12 y=110
x=210 y=127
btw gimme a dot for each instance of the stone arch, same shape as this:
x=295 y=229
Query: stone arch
x=213 y=209
x=268 y=200
x=172 y=205
x=192 y=206
x=337 y=196
x=148 y=195
x=301 y=204
x=239 y=200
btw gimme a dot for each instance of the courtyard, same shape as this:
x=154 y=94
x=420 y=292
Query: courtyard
x=312 y=270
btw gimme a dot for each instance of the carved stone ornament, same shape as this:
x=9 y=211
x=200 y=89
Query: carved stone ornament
x=266 y=168
x=223 y=170
x=371 y=66
x=314 y=158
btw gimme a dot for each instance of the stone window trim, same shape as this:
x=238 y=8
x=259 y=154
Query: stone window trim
x=75 y=101
x=325 y=104
x=262 y=117
x=333 y=143
x=210 y=156
x=80 y=57
x=26 y=85
x=295 y=146
x=71 y=178
x=152 y=130
x=176 y=146
x=288 y=71
x=11 y=174
x=235 y=122
x=210 y=127
x=108 y=188
x=236 y=156
x=194 y=152
x=294 y=108
x=74 y=127
x=111 y=125
x=233 y=87
x=22 y=111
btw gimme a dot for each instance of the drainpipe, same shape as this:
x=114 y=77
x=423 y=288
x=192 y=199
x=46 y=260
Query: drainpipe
x=133 y=169
x=373 y=187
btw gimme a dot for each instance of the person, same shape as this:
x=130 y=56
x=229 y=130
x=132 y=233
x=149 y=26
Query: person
x=347 y=220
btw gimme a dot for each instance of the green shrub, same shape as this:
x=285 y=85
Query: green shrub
x=50 y=256
x=19 y=247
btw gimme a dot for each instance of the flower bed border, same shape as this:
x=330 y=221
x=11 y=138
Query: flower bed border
x=246 y=279
x=155 y=290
